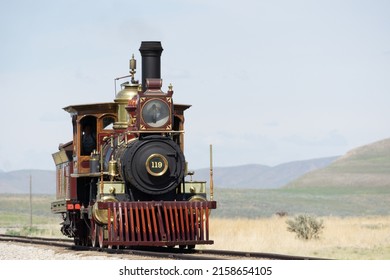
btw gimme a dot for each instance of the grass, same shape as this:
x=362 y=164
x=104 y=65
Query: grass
x=346 y=201
x=356 y=222
x=350 y=238
x=15 y=215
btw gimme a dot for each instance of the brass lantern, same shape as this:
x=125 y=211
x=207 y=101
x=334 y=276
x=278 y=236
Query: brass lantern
x=155 y=108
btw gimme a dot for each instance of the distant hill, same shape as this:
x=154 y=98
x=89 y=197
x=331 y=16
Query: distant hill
x=245 y=176
x=18 y=182
x=261 y=176
x=366 y=166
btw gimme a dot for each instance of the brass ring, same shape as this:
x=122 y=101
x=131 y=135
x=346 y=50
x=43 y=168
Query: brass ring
x=161 y=163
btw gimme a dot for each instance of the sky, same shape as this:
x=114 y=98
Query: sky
x=269 y=81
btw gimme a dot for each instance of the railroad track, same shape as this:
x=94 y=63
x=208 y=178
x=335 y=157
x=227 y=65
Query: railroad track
x=158 y=253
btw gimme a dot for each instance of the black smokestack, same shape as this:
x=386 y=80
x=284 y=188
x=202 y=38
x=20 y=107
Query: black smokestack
x=151 y=62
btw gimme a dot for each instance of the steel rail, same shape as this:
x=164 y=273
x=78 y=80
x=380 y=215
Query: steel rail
x=256 y=255
x=156 y=252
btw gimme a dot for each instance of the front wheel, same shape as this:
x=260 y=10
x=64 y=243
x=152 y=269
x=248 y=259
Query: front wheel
x=94 y=233
x=100 y=233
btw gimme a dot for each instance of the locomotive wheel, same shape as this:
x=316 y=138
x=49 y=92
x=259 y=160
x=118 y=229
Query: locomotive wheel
x=81 y=238
x=77 y=241
x=100 y=233
x=190 y=247
x=93 y=233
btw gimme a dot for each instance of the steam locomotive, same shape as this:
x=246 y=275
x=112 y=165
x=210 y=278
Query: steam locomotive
x=121 y=181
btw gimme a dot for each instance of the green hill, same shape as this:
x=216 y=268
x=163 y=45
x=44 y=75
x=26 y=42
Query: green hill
x=356 y=184
x=366 y=166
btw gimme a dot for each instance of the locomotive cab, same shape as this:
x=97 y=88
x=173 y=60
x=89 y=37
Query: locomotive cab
x=91 y=123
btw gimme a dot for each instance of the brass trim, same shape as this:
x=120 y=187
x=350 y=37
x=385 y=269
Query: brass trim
x=144 y=125
x=101 y=215
x=155 y=131
x=197 y=198
x=165 y=167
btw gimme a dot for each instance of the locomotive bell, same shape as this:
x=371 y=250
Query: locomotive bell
x=112 y=167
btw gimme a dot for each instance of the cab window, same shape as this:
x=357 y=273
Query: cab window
x=88 y=135
x=108 y=123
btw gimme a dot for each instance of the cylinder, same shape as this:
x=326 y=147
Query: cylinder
x=151 y=61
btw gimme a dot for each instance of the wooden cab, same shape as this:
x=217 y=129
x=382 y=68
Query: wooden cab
x=91 y=123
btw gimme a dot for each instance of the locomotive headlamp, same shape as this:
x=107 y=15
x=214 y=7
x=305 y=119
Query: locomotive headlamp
x=155 y=108
x=155 y=113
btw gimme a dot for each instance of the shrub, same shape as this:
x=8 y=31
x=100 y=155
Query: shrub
x=281 y=214
x=306 y=227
